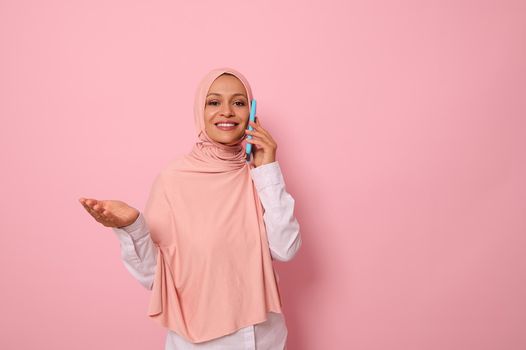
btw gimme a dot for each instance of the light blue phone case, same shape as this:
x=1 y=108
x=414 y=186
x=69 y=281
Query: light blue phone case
x=252 y=118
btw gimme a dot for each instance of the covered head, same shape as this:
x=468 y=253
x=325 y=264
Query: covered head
x=232 y=102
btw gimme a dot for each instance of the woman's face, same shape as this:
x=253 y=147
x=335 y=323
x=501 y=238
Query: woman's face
x=226 y=102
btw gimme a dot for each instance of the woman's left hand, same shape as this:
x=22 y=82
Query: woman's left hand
x=263 y=145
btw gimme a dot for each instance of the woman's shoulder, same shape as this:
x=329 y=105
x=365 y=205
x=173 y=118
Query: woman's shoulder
x=173 y=165
x=170 y=169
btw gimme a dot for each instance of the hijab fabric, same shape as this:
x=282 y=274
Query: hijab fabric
x=214 y=272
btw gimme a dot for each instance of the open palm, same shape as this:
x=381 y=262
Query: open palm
x=110 y=213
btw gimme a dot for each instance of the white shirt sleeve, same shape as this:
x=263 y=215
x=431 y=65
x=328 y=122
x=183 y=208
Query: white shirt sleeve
x=138 y=252
x=283 y=229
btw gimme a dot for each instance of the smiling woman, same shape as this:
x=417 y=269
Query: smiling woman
x=211 y=227
x=226 y=110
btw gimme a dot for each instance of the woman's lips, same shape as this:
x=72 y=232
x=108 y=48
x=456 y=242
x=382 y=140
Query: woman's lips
x=227 y=128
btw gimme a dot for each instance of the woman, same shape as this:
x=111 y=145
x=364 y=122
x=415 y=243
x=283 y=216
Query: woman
x=211 y=227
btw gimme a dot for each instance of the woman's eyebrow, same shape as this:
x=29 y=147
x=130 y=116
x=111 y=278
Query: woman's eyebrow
x=214 y=93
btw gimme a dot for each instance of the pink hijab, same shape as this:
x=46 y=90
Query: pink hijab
x=214 y=270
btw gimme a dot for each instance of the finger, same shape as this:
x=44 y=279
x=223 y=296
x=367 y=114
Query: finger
x=255 y=133
x=87 y=207
x=93 y=212
x=95 y=215
x=91 y=202
x=98 y=214
x=99 y=207
x=266 y=138
x=255 y=123
x=255 y=126
x=259 y=131
x=258 y=127
x=258 y=141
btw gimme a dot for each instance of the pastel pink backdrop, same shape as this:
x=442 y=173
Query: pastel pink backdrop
x=401 y=133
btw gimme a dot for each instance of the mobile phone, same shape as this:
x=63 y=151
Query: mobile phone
x=252 y=118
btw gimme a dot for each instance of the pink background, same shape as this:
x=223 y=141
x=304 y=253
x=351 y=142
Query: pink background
x=401 y=134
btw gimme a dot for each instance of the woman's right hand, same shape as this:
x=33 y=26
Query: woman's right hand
x=110 y=213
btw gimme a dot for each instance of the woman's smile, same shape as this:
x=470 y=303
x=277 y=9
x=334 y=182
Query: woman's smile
x=227 y=126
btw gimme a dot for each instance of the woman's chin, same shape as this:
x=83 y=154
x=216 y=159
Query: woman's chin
x=229 y=140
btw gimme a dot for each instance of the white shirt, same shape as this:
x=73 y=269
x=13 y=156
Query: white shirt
x=139 y=255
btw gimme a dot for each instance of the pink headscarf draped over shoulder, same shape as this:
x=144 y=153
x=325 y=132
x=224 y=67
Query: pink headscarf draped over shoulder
x=214 y=270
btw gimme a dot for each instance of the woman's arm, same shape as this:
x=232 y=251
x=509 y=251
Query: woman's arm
x=138 y=252
x=283 y=229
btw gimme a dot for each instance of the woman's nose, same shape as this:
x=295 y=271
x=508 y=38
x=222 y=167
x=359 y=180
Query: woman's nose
x=227 y=109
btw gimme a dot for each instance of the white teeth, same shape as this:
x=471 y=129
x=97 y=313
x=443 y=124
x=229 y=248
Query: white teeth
x=225 y=124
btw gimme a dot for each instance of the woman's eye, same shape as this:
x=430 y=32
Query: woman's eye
x=215 y=103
